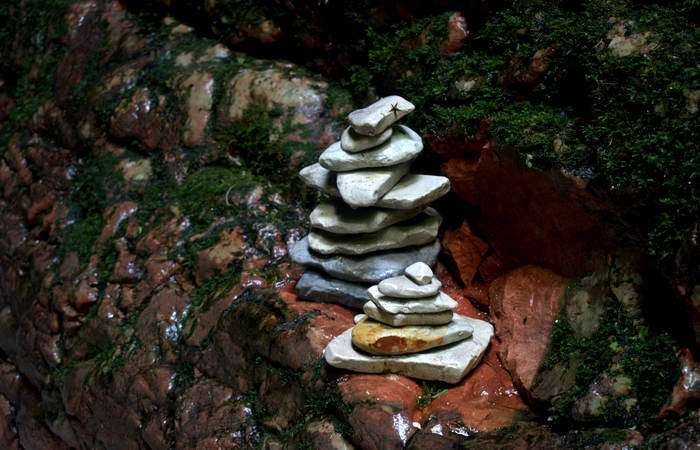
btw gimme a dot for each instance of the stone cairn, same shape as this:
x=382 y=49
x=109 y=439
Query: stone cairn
x=376 y=227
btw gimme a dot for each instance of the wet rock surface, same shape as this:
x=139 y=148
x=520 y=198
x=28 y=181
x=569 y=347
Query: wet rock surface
x=149 y=296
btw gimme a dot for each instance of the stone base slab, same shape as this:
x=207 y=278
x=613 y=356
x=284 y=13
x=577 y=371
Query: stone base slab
x=449 y=363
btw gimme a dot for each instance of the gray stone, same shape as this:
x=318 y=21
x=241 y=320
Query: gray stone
x=352 y=142
x=338 y=217
x=404 y=145
x=364 y=187
x=398 y=320
x=316 y=287
x=379 y=338
x=368 y=268
x=415 y=190
x=420 y=273
x=437 y=303
x=404 y=287
x=378 y=116
x=449 y=364
x=416 y=231
x=320 y=178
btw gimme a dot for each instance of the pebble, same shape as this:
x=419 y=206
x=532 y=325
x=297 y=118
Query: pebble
x=370 y=268
x=338 y=217
x=352 y=142
x=380 y=115
x=364 y=187
x=404 y=145
x=316 y=287
x=437 y=303
x=448 y=364
x=397 y=320
x=404 y=287
x=381 y=339
x=420 y=273
x=416 y=231
x=320 y=178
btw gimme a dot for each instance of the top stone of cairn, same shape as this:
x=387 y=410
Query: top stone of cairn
x=380 y=115
x=420 y=273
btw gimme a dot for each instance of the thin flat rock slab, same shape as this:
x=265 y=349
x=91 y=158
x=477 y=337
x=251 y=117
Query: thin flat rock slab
x=380 y=115
x=404 y=145
x=404 y=287
x=381 y=339
x=320 y=178
x=416 y=231
x=352 y=142
x=338 y=217
x=316 y=287
x=415 y=190
x=420 y=273
x=449 y=363
x=398 y=320
x=367 y=268
x=437 y=303
x=364 y=187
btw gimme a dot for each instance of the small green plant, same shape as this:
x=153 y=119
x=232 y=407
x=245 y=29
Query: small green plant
x=431 y=391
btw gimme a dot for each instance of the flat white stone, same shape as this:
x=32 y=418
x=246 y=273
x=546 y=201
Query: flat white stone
x=379 y=338
x=415 y=190
x=398 y=320
x=420 y=273
x=378 y=116
x=320 y=178
x=404 y=287
x=419 y=230
x=404 y=145
x=449 y=364
x=352 y=142
x=412 y=191
x=364 y=187
x=337 y=217
x=436 y=303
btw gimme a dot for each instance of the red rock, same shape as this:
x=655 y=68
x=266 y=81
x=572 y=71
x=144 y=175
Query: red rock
x=384 y=409
x=466 y=249
x=8 y=436
x=457 y=32
x=141 y=119
x=114 y=216
x=81 y=40
x=484 y=401
x=126 y=270
x=532 y=217
x=686 y=393
x=42 y=199
x=214 y=259
x=524 y=305
x=462 y=173
x=526 y=73
x=85 y=294
x=492 y=267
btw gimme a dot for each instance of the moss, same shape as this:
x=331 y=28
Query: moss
x=619 y=347
x=40 y=25
x=431 y=391
x=622 y=122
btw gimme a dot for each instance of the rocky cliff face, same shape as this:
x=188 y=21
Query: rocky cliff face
x=148 y=199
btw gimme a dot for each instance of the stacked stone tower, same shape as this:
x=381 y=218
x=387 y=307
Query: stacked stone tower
x=376 y=227
x=377 y=221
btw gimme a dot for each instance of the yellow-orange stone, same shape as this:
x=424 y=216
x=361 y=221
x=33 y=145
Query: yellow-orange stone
x=381 y=339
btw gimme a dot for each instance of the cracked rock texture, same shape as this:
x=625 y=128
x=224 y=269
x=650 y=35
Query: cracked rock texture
x=149 y=203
